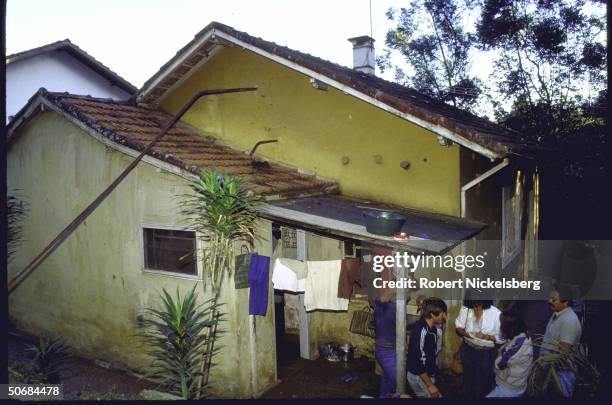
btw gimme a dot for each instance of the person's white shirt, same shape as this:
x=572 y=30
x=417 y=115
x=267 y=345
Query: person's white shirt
x=487 y=324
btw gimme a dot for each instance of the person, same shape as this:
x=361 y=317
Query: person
x=514 y=358
x=384 y=342
x=563 y=333
x=423 y=348
x=478 y=326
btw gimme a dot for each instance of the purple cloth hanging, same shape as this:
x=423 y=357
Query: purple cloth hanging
x=258 y=284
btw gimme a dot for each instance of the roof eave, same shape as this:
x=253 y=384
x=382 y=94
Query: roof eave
x=82 y=56
x=212 y=32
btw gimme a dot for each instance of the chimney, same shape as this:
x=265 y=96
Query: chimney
x=363 y=54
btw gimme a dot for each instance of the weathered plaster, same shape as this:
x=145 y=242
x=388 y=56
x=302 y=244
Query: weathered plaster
x=92 y=288
x=317 y=129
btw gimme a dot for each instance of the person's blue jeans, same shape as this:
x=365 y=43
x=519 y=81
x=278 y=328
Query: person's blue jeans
x=386 y=358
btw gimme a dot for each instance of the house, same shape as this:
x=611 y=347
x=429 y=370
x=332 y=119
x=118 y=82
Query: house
x=60 y=66
x=344 y=139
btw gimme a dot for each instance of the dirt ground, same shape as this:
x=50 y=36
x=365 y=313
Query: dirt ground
x=300 y=378
x=320 y=378
x=84 y=379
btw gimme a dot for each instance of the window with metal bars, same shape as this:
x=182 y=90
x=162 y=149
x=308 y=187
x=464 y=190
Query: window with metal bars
x=170 y=250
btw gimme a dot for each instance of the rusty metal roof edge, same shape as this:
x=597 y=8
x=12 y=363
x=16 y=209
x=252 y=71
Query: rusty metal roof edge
x=417 y=211
x=343 y=229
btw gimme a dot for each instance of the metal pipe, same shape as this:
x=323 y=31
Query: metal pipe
x=261 y=143
x=478 y=180
x=67 y=231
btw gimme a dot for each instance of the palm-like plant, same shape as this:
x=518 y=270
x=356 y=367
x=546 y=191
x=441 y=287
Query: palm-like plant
x=224 y=212
x=177 y=335
x=48 y=359
x=549 y=370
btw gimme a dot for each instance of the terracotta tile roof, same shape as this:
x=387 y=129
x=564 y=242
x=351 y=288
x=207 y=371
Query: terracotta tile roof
x=500 y=140
x=135 y=127
x=79 y=54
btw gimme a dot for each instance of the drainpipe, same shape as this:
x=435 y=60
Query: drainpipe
x=478 y=180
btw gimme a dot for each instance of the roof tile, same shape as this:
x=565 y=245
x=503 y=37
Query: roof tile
x=135 y=127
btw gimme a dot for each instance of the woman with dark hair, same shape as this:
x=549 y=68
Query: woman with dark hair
x=478 y=325
x=514 y=358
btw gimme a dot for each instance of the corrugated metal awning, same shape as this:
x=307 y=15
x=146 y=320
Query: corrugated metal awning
x=343 y=217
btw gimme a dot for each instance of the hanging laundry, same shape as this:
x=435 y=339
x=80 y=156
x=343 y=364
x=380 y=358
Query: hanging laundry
x=321 y=290
x=368 y=274
x=289 y=274
x=350 y=275
x=259 y=269
x=241 y=270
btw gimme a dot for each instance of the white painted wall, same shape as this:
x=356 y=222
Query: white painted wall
x=55 y=71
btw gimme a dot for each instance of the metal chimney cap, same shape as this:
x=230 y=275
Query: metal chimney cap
x=363 y=40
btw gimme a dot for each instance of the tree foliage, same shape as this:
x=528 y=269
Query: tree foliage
x=550 y=52
x=431 y=37
x=549 y=82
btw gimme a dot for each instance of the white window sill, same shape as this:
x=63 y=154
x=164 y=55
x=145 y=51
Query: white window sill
x=193 y=277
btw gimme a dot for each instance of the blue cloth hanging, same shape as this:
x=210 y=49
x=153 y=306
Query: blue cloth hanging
x=259 y=270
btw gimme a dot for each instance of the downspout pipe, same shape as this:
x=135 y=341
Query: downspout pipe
x=477 y=181
x=67 y=231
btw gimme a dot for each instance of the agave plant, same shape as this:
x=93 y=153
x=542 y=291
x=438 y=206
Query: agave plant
x=48 y=359
x=224 y=212
x=179 y=336
x=550 y=369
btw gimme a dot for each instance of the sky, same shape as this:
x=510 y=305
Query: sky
x=136 y=37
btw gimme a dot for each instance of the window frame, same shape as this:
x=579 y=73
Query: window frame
x=198 y=258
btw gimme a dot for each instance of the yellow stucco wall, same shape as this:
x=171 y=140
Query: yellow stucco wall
x=92 y=288
x=316 y=129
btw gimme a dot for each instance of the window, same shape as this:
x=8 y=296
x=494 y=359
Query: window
x=170 y=250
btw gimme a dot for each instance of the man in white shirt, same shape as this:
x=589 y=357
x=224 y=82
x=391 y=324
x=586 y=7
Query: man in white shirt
x=478 y=324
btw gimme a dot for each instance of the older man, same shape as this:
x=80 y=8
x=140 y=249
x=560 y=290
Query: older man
x=563 y=334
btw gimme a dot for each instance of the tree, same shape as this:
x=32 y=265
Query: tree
x=551 y=81
x=550 y=52
x=431 y=37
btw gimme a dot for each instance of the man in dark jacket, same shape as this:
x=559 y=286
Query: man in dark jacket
x=423 y=347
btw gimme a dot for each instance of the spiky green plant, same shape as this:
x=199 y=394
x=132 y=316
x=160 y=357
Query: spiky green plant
x=48 y=358
x=545 y=371
x=178 y=339
x=224 y=212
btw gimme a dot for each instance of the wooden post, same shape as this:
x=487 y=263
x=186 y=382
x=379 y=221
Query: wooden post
x=400 y=331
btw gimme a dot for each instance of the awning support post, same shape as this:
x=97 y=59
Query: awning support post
x=400 y=331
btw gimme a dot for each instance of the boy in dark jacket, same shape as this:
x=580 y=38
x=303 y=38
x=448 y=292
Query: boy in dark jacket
x=423 y=347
